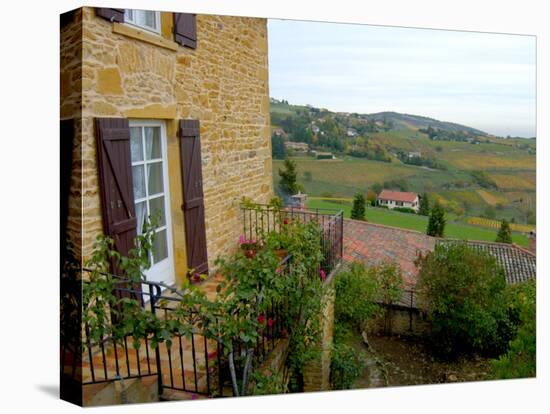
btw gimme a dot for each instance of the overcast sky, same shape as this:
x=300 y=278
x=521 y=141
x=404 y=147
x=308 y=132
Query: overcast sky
x=486 y=81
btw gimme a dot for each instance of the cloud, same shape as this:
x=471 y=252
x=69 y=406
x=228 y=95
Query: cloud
x=483 y=80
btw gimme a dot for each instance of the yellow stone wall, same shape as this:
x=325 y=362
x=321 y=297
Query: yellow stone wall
x=70 y=108
x=223 y=83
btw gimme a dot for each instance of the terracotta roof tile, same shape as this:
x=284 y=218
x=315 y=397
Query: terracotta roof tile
x=397 y=196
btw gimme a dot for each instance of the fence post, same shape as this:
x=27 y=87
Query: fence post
x=152 y=302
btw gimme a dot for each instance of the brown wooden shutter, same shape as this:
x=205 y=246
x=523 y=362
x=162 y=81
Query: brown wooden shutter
x=185 y=29
x=66 y=132
x=193 y=198
x=115 y=176
x=113 y=15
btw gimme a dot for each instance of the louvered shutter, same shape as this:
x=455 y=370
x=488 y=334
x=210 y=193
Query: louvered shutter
x=115 y=176
x=66 y=131
x=185 y=29
x=193 y=198
x=113 y=15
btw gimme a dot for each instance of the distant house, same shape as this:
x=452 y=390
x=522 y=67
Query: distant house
x=297 y=146
x=351 y=132
x=415 y=154
x=393 y=199
x=315 y=129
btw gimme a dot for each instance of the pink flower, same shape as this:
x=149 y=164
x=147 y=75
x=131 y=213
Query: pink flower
x=242 y=239
x=193 y=396
x=323 y=274
x=270 y=322
x=261 y=319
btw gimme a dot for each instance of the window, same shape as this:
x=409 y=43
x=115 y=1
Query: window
x=151 y=192
x=145 y=19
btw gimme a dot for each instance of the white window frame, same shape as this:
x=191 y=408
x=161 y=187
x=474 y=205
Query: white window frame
x=164 y=270
x=133 y=22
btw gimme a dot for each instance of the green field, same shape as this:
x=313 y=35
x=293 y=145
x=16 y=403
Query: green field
x=346 y=176
x=419 y=223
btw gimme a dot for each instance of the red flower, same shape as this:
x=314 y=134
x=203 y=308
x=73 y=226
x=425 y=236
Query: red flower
x=261 y=319
x=270 y=322
x=323 y=274
x=212 y=355
x=285 y=221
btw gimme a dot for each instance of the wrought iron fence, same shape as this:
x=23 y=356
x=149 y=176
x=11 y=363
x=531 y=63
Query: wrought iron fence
x=260 y=219
x=190 y=363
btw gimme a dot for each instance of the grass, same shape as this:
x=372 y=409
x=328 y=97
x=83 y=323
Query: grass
x=346 y=176
x=419 y=223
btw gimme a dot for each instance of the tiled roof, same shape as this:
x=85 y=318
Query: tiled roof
x=519 y=264
x=374 y=243
x=397 y=196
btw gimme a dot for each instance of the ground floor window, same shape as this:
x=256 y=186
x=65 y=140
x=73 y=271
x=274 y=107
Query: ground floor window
x=151 y=193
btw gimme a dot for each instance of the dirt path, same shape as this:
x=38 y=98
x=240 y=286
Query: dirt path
x=395 y=361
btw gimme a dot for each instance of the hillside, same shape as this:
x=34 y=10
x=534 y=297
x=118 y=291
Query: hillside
x=406 y=121
x=471 y=173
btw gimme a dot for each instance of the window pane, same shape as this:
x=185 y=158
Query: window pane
x=139 y=181
x=154 y=172
x=157 y=209
x=152 y=143
x=141 y=215
x=160 y=247
x=129 y=15
x=136 y=145
x=150 y=19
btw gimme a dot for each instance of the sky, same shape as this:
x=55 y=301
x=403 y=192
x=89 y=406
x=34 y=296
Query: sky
x=482 y=80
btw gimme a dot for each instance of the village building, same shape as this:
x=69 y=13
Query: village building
x=393 y=199
x=297 y=146
x=169 y=113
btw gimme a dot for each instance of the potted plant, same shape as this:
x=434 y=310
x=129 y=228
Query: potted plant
x=249 y=246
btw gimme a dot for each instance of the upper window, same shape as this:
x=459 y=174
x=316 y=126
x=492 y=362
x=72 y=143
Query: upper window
x=144 y=19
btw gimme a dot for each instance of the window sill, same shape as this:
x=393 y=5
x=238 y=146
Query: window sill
x=143 y=35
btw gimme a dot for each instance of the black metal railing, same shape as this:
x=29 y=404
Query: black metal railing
x=260 y=219
x=190 y=363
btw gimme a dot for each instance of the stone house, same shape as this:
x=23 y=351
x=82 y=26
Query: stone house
x=161 y=113
x=169 y=113
x=393 y=199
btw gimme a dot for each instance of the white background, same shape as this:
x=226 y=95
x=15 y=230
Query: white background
x=29 y=95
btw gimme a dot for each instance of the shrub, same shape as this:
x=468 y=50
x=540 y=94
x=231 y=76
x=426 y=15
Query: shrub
x=358 y=209
x=520 y=361
x=356 y=294
x=405 y=210
x=463 y=290
x=345 y=367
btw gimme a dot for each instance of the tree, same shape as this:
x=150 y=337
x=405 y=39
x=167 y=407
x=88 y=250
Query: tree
x=377 y=188
x=358 y=209
x=504 y=234
x=436 y=223
x=278 y=150
x=463 y=291
x=521 y=359
x=288 y=183
x=424 y=208
x=371 y=197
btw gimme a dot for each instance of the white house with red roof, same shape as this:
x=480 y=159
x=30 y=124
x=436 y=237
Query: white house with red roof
x=393 y=199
